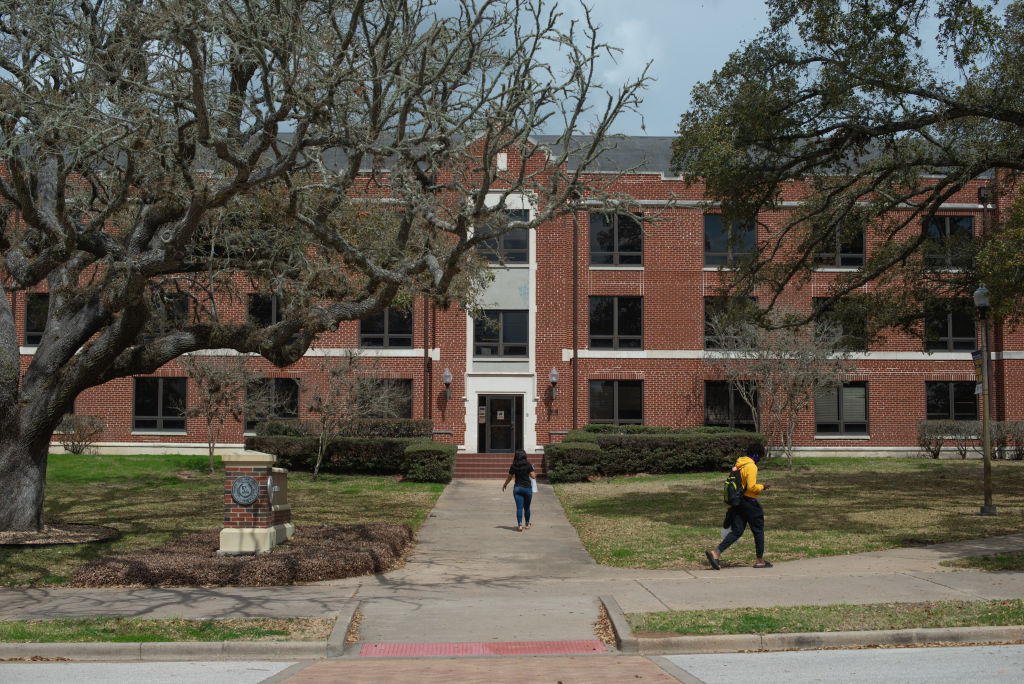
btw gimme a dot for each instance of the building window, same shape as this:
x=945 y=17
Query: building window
x=725 y=407
x=725 y=245
x=950 y=326
x=949 y=241
x=169 y=312
x=271 y=399
x=37 y=305
x=159 y=404
x=619 y=402
x=388 y=328
x=264 y=310
x=842 y=410
x=616 y=322
x=950 y=401
x=718 y=313
x=501 y=334
x=842 y=252
x=386 y=398
x=851 y=322
x=511 y=247
x=616 y=240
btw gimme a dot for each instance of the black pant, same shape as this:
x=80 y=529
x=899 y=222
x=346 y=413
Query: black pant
x=749 y=512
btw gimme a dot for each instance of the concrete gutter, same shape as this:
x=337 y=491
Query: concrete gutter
x=629 y=643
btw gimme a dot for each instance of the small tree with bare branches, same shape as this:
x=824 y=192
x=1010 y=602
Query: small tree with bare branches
x=349 y=388
x=776 y=365
x=220 y=383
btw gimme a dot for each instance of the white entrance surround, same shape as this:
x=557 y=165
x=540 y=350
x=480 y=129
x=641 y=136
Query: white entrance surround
x=524 y=384
x=486 y=376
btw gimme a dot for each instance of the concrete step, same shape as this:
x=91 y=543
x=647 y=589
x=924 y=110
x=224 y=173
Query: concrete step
x=491 y=466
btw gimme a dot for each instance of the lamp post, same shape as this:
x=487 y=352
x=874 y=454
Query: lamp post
x=553 y=377
x=981 y=301
x=446 y=378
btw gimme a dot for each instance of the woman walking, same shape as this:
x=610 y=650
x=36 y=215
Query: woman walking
x=522 y=491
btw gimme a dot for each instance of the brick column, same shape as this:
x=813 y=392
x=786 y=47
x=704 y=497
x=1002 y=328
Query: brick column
x=257 y=516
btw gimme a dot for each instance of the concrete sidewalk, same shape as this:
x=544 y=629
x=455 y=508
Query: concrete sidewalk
x=474 y=579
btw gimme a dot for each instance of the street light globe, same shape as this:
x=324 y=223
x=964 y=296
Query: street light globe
x=981 y=297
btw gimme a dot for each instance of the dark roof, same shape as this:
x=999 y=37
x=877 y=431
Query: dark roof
x=646 y=153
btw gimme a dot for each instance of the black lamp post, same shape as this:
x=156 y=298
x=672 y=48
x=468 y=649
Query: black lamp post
x=553 y=377
x=981 y=301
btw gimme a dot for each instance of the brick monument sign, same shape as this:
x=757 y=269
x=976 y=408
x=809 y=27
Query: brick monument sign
x=257 y=516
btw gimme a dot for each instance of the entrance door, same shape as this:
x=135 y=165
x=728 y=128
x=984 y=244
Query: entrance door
x=501 y=428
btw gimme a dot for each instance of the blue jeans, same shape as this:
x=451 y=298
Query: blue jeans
x=523 y=497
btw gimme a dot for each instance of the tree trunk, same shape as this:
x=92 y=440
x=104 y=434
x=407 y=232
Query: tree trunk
x=22 y=483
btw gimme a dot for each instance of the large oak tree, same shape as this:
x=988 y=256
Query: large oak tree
x=336 y=154
x=886 y=109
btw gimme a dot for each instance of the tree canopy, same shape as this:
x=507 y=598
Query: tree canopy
x=336 y=155
x=884 y=109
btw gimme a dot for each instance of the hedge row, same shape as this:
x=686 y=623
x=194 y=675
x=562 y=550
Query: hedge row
x=360 y=427
x=602 y=453
x=419 y=460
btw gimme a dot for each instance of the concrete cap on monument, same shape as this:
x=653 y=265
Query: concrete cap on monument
x=247 y=457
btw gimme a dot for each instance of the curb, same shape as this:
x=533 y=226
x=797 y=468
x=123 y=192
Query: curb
x=628 y=643
x=169 y=650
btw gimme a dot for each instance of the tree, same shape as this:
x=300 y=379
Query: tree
x=776 y=366
x=348 y=389
x=220 y=383
x=837 y=107
x=332 y=154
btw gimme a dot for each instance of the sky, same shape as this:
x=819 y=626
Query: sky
x=686 y=39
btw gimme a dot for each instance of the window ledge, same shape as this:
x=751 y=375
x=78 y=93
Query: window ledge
x=626 y=267
x=159 y=433
x=833 y=437
x=836 y=269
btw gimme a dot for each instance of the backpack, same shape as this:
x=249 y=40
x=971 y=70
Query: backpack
x=733 y=487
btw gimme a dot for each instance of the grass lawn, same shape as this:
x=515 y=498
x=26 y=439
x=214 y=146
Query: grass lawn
x=1012 y=560
x=153 y=499
x=834 y=618
x=822 y=507
x=136 y=630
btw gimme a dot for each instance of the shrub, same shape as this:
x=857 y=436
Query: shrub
x=605 y=428
x=1014 y=432
x=388 y=427
x=571 y=461
x=78 y=434
x=365 y=455
x=293 y=453
x=429 y=461
x=932 y=436
x=283 y=428
x=654 y=452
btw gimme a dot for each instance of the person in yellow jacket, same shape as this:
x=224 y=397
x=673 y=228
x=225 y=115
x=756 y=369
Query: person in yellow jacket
x=749 y=511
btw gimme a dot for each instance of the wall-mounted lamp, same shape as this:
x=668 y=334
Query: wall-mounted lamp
x=553 y=377
x=983 y=196
x=446 y=378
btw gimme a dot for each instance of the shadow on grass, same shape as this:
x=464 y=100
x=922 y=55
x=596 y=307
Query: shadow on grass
x=817 y=508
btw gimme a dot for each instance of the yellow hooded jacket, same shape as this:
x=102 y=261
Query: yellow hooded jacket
x=748 y=475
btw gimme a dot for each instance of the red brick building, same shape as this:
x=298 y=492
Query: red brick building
x=617 y=314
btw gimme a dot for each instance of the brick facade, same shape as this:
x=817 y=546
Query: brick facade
x=672 y=281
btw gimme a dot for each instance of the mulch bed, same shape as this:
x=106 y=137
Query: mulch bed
x=59 y=534
x=312 y=555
